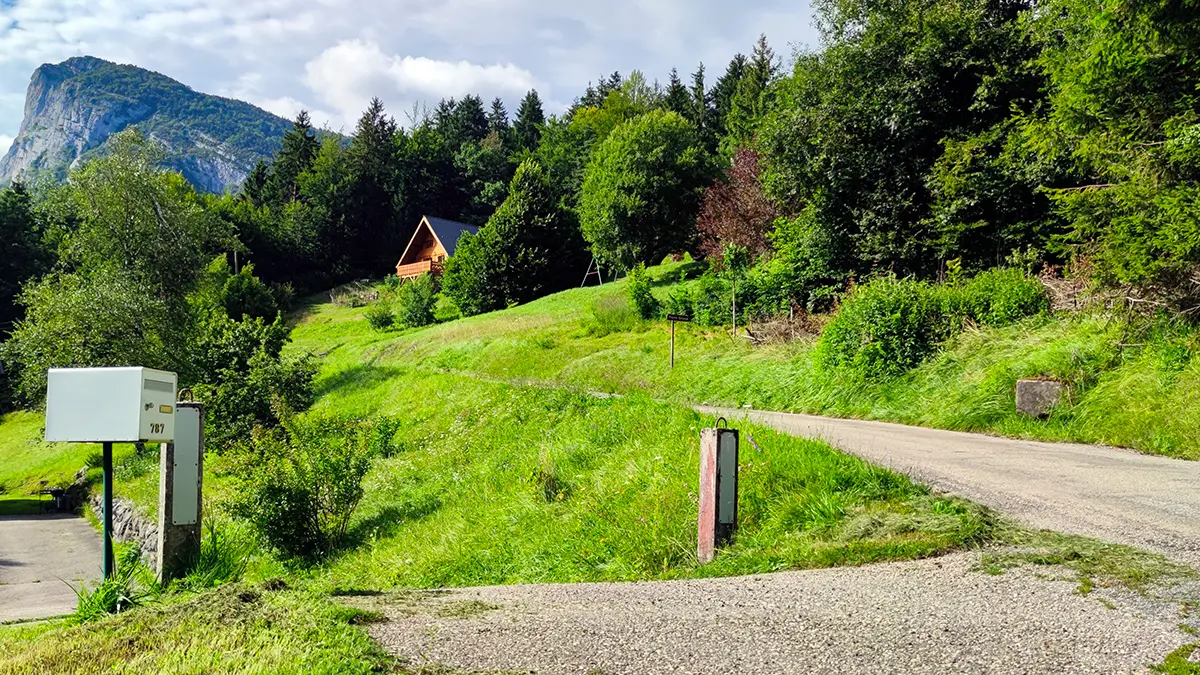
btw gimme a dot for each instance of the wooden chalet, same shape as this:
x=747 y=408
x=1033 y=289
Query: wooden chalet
x=430 y=246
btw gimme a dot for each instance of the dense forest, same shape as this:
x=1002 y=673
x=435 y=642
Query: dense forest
x=922 y=139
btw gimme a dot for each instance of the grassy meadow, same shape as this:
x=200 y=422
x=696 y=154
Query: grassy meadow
x=507 y=469
x=1130 y=390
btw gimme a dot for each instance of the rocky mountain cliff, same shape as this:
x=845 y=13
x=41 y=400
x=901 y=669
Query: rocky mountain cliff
x=72 y=107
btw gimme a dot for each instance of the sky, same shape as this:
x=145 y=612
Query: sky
x=331 y=56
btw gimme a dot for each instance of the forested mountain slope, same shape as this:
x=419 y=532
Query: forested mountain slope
x=72 y=108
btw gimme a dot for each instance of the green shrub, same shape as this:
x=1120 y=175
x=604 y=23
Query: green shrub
x=639 y=292
x=300 y=483
x=415 y=302
x=245 y=295
x=883 y=328
x=391 y=282
x=380 y=316
x=224 y=552
x=998 y=297
x=243 y=374
x=611 y=314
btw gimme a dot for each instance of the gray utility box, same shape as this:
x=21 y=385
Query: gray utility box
x=119 y=405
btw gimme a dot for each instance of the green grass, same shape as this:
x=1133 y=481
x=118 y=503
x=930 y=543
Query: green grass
x=1138 y=396
x=234 y=629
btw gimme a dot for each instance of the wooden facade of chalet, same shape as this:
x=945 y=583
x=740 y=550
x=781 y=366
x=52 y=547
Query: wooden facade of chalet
x=430 y=246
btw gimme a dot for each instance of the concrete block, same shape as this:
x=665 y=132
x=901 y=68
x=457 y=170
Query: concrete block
x=1037 y=397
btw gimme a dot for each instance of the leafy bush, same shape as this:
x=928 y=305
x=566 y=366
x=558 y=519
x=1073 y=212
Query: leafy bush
x=883 y=328
x=1000 y=296
x=245 y=295
x=242 y=373
x=380 y=316
x=300 y=483
x=639 y=292
x=890 y=325
x=132 y=584
x=416 y=301
x=611 y=314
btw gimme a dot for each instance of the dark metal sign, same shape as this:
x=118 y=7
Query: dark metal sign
x=679 y=317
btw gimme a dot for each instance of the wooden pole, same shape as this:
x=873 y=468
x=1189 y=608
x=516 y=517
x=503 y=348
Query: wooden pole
x=672 y=344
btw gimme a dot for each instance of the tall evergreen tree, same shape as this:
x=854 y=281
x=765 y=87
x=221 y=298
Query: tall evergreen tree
x=372 y=226
x=497 y=119
x=254 y=188
x=24 y=256
x=751 y=98
x=470 y=121
x=295 y=157
x=724 y=89
x=677 y=98
x=530 y=117
x=700 y=110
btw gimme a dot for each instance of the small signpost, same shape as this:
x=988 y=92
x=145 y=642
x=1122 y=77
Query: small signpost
x=718 y=490
x=110 y=405
x=180 y=500
x=674 y=318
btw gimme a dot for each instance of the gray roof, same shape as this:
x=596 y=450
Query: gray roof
x=449 y=231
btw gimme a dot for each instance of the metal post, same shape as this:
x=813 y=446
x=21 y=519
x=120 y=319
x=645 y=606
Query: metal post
x=718 y=495
x=109 y=559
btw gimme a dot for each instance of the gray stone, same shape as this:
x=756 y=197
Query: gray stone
x=1037 y=397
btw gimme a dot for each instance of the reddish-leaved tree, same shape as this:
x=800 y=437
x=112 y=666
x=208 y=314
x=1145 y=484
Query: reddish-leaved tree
x=735 y=210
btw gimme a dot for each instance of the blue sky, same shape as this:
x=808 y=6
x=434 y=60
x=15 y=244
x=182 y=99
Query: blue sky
x=331 y=56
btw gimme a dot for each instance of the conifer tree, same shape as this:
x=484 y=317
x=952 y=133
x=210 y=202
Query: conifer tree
x=295 y=157
x=677 y=98
x=530 y=117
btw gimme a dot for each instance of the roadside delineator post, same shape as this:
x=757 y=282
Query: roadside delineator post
x=718 y=490
x=180 y=494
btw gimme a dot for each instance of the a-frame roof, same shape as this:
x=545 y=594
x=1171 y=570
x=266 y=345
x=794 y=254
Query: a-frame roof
x=447 y=233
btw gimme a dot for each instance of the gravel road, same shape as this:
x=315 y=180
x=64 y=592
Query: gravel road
x=1115 y=495
x=931 y=616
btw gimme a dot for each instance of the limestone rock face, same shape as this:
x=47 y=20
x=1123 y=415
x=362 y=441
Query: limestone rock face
x=71 y=109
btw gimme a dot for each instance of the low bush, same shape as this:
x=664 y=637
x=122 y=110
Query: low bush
x=243 y=373
x=301 y=483
x=224 y=553
x=415 y=302
x=639 y=292
x=883 y=328
x=379 y=316
x=889 y=325
x=998 y=297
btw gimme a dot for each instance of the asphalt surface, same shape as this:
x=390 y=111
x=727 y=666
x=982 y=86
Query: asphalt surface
x=41 y=557
x=1115 y=495
x=933 y=616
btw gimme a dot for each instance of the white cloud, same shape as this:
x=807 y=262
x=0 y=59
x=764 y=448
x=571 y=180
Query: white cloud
x=347 y=75
x=333 y=55
x=5 y=142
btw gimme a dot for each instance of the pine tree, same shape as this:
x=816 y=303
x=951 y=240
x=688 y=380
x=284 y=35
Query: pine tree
x=296 y=156
x=677 y=98
x=497 y=119
x=700 y=110
x=752 y=97
x=254 y=188
x=470 y=120
x=530 y=117
x=373 y=195
x=723 y=91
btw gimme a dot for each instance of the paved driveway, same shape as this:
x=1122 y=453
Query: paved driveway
x=39 y=557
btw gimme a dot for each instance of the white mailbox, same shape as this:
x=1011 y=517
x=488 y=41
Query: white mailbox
x=122 y=405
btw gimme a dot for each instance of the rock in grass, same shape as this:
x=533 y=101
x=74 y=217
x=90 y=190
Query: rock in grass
x=1037 y=398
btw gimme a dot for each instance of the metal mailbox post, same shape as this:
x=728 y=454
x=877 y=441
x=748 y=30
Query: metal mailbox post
x=110 y=405
x=718 y=490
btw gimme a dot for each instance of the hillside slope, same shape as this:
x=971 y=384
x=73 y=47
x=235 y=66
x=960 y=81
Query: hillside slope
x=1125 y=393
x=72 y=107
